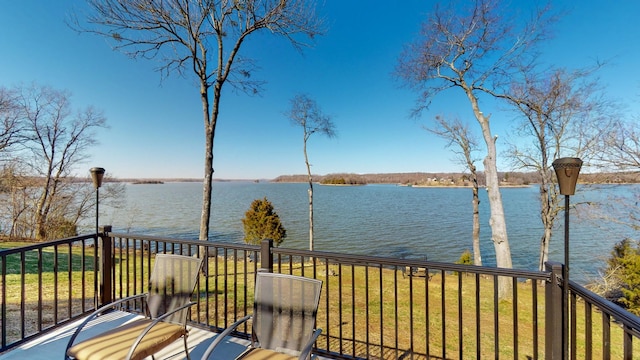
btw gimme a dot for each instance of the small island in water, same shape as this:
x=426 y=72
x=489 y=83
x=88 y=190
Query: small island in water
x=139 y=182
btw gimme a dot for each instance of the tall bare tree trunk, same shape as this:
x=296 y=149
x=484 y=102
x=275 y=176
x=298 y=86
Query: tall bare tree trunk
x=209 y=131
x=307 y=114
x=477 y=256
x=310 y=191
x=549 y=208
x=497 y=219
x=458 y=133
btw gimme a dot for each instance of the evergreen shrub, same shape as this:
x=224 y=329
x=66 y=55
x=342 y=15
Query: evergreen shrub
x=261 y=222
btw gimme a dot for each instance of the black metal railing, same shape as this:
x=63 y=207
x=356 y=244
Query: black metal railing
x=44 y=285
x=614 y=323
x=371 y=307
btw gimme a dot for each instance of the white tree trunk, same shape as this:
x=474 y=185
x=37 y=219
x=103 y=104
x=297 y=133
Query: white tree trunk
x=310 y=191
x=477 y=256
x=497 y=219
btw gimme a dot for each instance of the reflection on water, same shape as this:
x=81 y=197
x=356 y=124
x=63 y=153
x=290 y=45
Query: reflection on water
x=382 y=220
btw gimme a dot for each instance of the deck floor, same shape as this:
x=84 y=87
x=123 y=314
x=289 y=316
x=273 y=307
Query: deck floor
x=53 y=344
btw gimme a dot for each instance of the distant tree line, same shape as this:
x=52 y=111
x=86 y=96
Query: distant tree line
x=457 y=179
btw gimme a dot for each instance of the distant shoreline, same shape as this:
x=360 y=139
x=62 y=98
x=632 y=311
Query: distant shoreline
x=417 y=179
x=469 y=186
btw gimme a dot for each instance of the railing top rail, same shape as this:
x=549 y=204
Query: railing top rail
x=184 y=241
x=618 y=313
x=45 y=244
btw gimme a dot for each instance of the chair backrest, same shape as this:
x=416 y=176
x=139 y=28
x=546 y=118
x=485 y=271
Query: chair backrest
x=171 y=285
x=285 y=308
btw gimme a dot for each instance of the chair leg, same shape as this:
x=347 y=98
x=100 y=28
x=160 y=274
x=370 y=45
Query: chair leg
x=186 y=349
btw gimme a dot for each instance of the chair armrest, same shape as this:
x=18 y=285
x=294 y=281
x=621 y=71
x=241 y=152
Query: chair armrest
x=223 y=334
x=306 y=350
x=97 y=313
x=154 y=323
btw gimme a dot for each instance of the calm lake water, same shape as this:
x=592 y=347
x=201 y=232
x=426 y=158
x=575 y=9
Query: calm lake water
x=381 y=220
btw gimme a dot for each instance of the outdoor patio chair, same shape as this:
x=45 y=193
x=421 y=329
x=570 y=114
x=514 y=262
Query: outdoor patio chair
x=283 y=319
x=166 y=305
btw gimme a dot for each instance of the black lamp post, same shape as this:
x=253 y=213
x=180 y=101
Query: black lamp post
x=567 y=171
x=97 y=173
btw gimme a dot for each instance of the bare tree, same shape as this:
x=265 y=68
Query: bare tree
x=14 y=186
x=562 y=114
x=58 y=140
x=306 y=113
x=620 y=148
x=11 y=128
x=477 y=50
x=459 y=134
x=204 y=37
x=620 y=154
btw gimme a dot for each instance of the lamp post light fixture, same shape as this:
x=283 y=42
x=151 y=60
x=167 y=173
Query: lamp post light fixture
x=567 y=171
x=97 y=173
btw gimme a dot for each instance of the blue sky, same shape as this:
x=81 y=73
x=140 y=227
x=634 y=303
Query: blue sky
x=156 y=127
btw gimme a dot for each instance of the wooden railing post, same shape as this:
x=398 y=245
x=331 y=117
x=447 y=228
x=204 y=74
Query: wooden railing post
x=266 y=256
x=106 y=265
x=554 y=347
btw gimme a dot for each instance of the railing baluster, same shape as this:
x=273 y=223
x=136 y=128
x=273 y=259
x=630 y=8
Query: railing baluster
x=40 y=287
x=83 y=269
x=478 y=321
x=627 y=343
x=515 y=316
x=326 y=287
x=96 y=300
x=572 y=321
x=127 y=268
x=534 y=320
x=427 y=322
x=340 y=322
x=353 y=311
x=70 y=278
x=606 y=336
x=411 y=323
x=55 y=284
x=588 y=327
x=367 y=318
x=225 y=273
x=216 y=284
x=496 y=319
x=460 y=335
x=119 y=291
x=235 y=285
x=3 y=303
x=443 y=314
x=246 y=281
x=135 y=268
x=395 y=310
x=23 y=293
x=380 y=287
